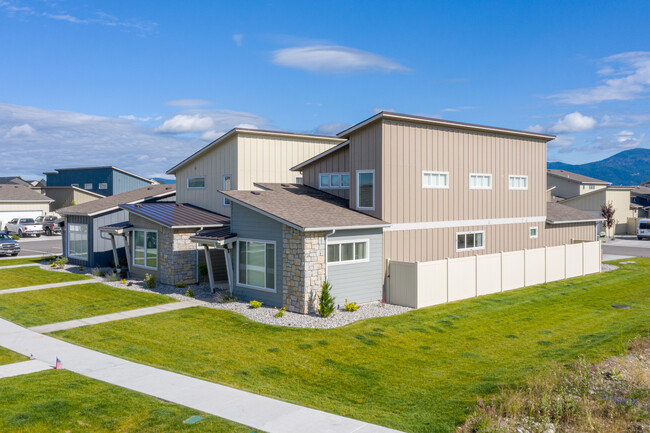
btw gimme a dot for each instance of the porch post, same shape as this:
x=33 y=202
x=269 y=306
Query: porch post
x=226 y=251
x=115 y=257
x=127 y=248
x=208 y=262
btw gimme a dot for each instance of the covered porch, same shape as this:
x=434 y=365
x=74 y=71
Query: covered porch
x=221 y=240
x=121 y=229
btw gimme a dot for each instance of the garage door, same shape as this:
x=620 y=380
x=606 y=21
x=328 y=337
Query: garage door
x=8 y=215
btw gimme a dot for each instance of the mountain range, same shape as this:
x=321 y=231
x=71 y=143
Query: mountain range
x=630 y=167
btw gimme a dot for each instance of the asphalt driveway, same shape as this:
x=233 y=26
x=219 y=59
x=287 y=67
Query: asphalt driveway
x=625 y=246
x=43 y=246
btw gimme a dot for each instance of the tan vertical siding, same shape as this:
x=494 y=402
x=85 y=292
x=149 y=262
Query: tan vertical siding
x=337 y=162
x=366 y=154
x=560 y=234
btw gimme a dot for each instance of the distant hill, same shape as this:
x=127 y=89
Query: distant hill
x=165 y=181
x=630 y=167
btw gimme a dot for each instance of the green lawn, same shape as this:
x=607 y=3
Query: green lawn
x=9 y=357
x=25 y=261
x=417 y=372
x=32 y=276
x=62 y=401
x=40 y=307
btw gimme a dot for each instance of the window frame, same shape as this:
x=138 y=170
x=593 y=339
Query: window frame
x=145 y=231
x=275 y=266
x=429 y=172
x=374 y=188
x=68 y=226
x=88 y=186
x=515 y=176
x=105 y=185
x=489 y=175
x=347 y=241
x=189 y=178
x=340 y=175
x=530 y=236
x=226 y=201
x=460 y=250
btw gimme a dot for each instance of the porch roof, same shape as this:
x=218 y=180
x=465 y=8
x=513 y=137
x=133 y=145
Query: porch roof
x=219 y=236
x=177 y=215
x=117 y=228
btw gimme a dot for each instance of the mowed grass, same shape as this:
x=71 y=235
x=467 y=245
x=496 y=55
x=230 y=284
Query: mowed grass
x=34 y=275
x=9 y=357
x=25 y=261
x=418 y=372
x=62 y=401
x=40 y=307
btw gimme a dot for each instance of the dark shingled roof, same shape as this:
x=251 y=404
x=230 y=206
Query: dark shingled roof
x=21 y=193
x=112 y=202
x=214 y=235
x=13 y=180
x=575 y=177
x=177 y=215
x=303 y=207
x=641 y=190
x=557 y=213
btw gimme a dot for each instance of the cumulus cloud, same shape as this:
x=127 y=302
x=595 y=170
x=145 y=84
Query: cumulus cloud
x=628 y=78
x=572 y=122
x=210 y=122
x=135 y=118
x=622 y=140
x=238 y=38
x=188 y=102
x=18 y=131
x=332 y=58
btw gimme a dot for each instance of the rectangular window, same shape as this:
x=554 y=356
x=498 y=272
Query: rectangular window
x=518 y=182
x=435 y=179
x=334 y=181
x=103 y=186
x=299 y=180
x=347 y=252
x=88 y=186
x=480 y=181
x=345 y=180
x=145 y=249
x=227 y=181
x=592 y=186
x=365 y=189
x=78 y=241
x=324 y=180
x=468 y=241
x=256 y=264
x=532 y=232
x=197 y=182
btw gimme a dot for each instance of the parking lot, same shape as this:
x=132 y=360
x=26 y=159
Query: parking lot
x=45 y=245
x=625 y=246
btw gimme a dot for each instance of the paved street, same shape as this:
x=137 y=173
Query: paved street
x=626 y=246
x=45 y=245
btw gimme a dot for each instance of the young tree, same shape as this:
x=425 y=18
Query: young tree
x=607 y=211
x=326 y=302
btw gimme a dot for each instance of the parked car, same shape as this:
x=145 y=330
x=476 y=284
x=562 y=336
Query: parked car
x=23 y=227
x=50 y=224
x=8 y=245
x=643 y=229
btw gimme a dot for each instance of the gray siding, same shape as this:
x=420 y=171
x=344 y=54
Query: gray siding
x=358 y=282
x=102 y=247
x=252 y=225
x=124 y=183
x=75 y=219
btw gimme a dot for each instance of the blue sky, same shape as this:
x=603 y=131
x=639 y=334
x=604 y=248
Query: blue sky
x=141 y=85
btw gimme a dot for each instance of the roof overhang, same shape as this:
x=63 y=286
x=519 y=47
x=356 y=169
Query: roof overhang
x=217 y=243
x=194 y=226
x=115 y=230
x=26 y=201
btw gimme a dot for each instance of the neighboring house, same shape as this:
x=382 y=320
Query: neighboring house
x=65 y=196
x=106 y=180
x=641 y=197
x=17 y=201
x=14 y=180
x=402 y=188
x=83 y=242
x=238 y=159
x=569 y=184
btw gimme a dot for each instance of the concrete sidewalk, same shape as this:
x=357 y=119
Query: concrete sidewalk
x=253 y=410
x=46 y=286
x=59 y=326
x=19 y=266
x=25 y=367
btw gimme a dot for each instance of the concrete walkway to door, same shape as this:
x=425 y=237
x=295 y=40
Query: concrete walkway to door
x=263 y=413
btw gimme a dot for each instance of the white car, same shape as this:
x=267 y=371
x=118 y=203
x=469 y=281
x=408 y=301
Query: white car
x=643 y=229
x=23 y=227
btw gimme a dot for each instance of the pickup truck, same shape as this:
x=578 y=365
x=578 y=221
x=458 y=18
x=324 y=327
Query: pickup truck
x=8 y=245
x=23 y=227
x=50 y=226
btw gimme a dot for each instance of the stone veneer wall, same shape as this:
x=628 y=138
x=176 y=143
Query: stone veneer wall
x=177 y=256
x=303 y=269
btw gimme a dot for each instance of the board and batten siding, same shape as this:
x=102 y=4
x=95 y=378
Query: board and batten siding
x=336 y=162
x=102 y=248
x=560 y=234
x=123 y=182
x=79 y=219
x=252 y=225
x=366 y=154
x=358 y=282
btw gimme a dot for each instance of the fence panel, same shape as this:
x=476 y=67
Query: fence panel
x=432 y=283
x=535 y=272
x=592 y=257
x=403 y=288
x=488 y=274
x=512 y=267
x=555 y=262
x=462 y=278
x=573 y=260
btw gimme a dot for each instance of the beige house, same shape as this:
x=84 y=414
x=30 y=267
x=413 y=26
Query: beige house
x=17 y=201
x=65 y=196
x=566 y=184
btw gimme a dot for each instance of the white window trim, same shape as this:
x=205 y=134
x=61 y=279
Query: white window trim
x=510 y=177
x=425 y=172
x=196 y=187
x=145 y=231
x=348 y=241
x=99 y=186
x=275 y=266
x=85 y=259
x=302 y=179
x=536 y=232
x=489 y=175
x=473 y=248
x=88 y=186
x=340 y=175
x=226 y=200
x=374 y=188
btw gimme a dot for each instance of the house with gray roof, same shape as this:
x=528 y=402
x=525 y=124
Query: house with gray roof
x=105 y=180
x=19 y=201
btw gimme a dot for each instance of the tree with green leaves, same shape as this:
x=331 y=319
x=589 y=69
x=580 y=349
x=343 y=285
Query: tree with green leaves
x=326 y=302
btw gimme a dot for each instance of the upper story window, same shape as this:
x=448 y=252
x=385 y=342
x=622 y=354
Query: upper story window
x=197 y=182
x=480 y=181
x=227 y=181
x=469 y=241
x=518 y=182
x=435 y=179
x=103 y=186
x=88 y=186
x=333 y=180
x=365 y=189
x=347 y=252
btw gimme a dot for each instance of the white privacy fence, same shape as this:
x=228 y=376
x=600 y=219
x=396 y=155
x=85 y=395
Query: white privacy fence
x=420 y=284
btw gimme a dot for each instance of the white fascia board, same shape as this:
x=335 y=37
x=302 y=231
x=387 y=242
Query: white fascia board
x=462 y=223
x=576 y=221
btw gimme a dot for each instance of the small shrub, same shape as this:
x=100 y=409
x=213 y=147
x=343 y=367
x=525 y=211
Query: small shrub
x=81 y=268
x=256 y=304
x=150 y=281
x=227 y=299
x=180 y=285
x=113 y=277
x=190 y=293
x=326 y=302
x=123 y=281
x=98 y=272
x=15 y=237
x=280 y=312
x=60 y=263
x=351 y=306
x=74 y=203
x=52 y=265
x=203 y=269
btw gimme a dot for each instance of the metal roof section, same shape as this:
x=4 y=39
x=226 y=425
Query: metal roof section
x=111 y=203
x=216 y=237
x=177 y=215
x=117 y=228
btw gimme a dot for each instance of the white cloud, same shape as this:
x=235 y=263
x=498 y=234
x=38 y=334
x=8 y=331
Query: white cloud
x=212 y=135
x=535 y=128
x=134 y=118
x=238 y=38
x=18 y=131
x=331 y=128
x=456 y=109
x=188 y=102
x=331 y=58
x=562 y=142
x=620 y=141
x=573 y=122
x=624 y=120
x=186 y=123
x=65 y=17
x=629 y=78
x=210 y=121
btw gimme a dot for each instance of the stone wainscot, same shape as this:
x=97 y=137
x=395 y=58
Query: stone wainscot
x=303 y=269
